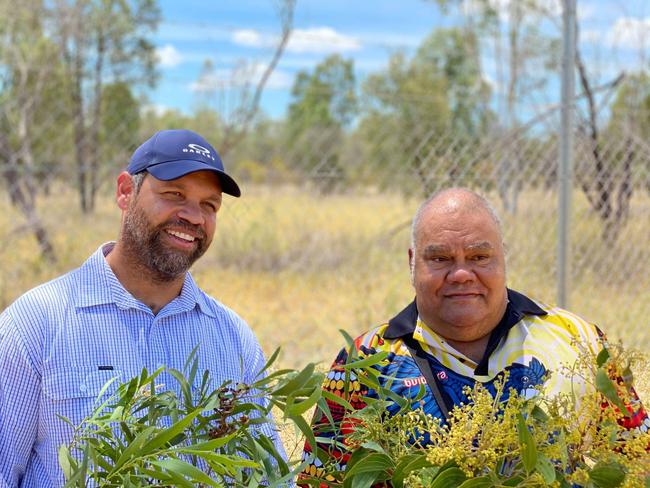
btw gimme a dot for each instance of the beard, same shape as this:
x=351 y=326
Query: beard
x=145 y=245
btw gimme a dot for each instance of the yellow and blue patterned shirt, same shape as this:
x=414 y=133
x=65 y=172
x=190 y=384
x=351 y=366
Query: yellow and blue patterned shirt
x=535 y=344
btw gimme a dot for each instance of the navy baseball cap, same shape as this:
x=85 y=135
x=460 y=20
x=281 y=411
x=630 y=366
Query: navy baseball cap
x=170 y=154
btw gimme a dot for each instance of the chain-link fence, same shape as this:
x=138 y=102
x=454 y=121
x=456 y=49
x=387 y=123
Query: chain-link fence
x=318 y=241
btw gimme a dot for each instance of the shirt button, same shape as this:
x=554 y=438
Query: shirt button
x=82 y=387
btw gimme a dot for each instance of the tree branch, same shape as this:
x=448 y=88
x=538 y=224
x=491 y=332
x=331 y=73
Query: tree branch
x=234 y=132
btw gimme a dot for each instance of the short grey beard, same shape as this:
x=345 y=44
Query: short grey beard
x=142 y=245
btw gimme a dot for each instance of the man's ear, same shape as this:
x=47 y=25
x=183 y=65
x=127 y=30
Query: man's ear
x=125 y=190
x=411 y=262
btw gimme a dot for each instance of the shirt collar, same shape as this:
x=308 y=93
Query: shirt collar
x=98 y=285
x=519 y=305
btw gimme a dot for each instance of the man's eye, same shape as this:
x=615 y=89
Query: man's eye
x=438 y=259
x=210 y=206
x=480 y=257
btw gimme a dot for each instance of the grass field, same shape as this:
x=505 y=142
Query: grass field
x=299 y=266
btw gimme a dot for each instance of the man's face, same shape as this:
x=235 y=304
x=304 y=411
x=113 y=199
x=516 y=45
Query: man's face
x=458 y=271
x=168 y=225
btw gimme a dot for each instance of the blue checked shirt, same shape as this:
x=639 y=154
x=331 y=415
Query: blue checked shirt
x=58 y=341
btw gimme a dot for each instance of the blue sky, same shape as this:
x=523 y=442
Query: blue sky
x=615 y=35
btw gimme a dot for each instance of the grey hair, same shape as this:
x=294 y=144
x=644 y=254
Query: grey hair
x=479 y=202
x=137 y=180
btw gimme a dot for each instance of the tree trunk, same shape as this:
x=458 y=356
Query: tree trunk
x=93 y=153
x=80 y=135
x=23 y=200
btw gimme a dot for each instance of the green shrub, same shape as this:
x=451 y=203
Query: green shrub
x=143 y=435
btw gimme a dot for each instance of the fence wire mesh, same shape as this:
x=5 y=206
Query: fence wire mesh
x=318 y=241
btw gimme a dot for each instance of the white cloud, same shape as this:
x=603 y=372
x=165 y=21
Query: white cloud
x=591 y=36
x=629 y=32
x=224 y=79
x=168 y=56
x=391 y=40
x=248 y=37
x=321 y=40
x=585 y=11
x=315 y=40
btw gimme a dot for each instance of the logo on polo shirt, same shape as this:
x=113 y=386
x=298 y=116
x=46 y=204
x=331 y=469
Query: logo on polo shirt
x=197 y=149
x=408 y=382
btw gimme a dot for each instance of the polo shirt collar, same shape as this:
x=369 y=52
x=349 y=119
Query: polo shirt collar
x=519 y=305
x=98 y=285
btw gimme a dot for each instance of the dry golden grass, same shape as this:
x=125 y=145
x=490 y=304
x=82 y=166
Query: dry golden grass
x=299 y=266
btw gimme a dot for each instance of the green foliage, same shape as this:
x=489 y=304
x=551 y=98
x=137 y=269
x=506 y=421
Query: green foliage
x=534 y=442
x=417 y=103
x=144 y=435
x=57 y=58
x=324 y=98
x=323 y=103
x=120 y=123
x=631 y=106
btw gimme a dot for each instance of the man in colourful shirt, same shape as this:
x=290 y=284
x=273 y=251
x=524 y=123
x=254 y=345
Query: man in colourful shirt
x=464 y=326
x=132 y=304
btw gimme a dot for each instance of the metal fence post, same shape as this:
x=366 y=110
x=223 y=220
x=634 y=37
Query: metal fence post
x=565 y=170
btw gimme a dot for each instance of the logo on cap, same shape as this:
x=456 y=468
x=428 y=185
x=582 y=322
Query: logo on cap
x=195 y=148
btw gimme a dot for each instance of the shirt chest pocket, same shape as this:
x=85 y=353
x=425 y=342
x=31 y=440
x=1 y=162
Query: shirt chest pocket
x=62 y=384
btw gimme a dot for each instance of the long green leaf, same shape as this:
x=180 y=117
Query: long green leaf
x=184 y=468
x=449 y=478
x=178 y=480
x=169 y=433
x=526 y=444
x=602 y=357
x=133 y=448
x=338 y=400
x=219 y=461
x=606 y=386
x=374 y=462
x=64 y=461
x=408 y=464
x=367 y=361
x=301 y=407
x=306 y=430
x=269 y=362
x=185 y=386
x=607 y=475
x=482 y=482
x=545 y=468
x=361 y=480
x=296 y=382
x=210 y=445
x=191 y=357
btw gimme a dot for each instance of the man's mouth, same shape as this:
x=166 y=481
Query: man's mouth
x=462 y=295
x=181 y=235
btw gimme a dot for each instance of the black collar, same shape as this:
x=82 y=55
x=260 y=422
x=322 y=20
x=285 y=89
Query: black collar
x=403 y=324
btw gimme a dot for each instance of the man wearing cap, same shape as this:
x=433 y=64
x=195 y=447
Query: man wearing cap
x=132 y=304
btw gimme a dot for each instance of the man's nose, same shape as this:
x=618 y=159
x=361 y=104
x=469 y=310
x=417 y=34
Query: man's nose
x=191 y=212
x=460 y=273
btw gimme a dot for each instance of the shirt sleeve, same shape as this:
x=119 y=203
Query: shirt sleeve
x=333 y=435
x=637 y=419
x=20 y=386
